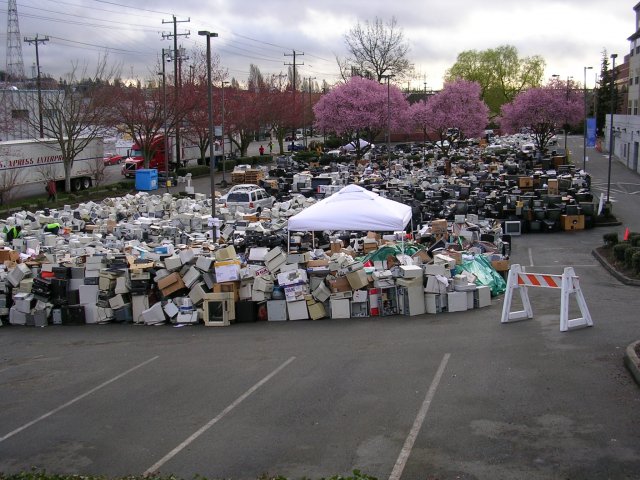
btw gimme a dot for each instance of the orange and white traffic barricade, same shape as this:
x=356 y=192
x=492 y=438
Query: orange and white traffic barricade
x=568 y=283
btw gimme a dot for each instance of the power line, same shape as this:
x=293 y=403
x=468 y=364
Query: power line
x=83 y=17
x=104 y=47
x=76 y=22
x=59 y=2
x=134 y=8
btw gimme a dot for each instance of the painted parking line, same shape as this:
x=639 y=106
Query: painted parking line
x=154 y=468
x=401 y=462
x=74 y=400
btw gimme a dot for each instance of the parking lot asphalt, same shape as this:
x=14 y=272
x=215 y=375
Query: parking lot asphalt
x=453 y=395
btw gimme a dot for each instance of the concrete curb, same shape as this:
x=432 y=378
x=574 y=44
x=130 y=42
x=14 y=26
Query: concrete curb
x=632 y=362
x=623 y=278
x=616 y=223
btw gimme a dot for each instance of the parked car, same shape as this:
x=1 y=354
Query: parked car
x=295 y=146
x=250 y=199
x=112 y=159
x=235 y=188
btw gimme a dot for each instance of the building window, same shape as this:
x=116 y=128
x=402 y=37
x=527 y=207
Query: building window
x=629 y=110
x=20 y=114
x=638 y=49
x=637 y=80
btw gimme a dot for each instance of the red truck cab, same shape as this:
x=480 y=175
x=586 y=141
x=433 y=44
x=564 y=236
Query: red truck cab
x=135 y=159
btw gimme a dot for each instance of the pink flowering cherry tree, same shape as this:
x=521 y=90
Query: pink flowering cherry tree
x=543 y=110
x=359 y=108
x=454 y=113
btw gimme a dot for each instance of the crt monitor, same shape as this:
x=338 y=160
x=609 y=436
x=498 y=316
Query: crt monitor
x=512 y=227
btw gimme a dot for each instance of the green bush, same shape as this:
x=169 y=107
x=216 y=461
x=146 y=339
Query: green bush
x=333 y=142
x=229 y=165
x=634 y=239
x=307 y=156
x=635 y=262
x=197 y=171
x=610 y=239
x=628 y=255
x=619 y=250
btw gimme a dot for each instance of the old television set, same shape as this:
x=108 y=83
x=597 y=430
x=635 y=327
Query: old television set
x=512 y=227
x=219 y=309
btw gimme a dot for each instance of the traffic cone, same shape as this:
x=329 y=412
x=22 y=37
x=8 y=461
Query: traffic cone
x=626 y=234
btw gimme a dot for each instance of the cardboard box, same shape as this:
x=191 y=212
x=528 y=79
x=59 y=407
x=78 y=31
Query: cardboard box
x=336 y=246
x=572 y=222
x=292 y=277
x=318 y=263
x=439 y=227
x=9 y=255
x=170 y=284
x=500 y=265
x=228 y=287
x=525 y=182
x=294 y=293
x=339 y=284
x=227 y=271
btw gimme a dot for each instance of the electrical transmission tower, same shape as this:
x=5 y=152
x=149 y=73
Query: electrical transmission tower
x=15 y=63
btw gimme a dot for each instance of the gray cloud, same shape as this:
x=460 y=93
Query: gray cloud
x=568 y=34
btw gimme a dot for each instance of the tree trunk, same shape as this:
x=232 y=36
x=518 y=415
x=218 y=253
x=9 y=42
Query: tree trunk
x=67 y=175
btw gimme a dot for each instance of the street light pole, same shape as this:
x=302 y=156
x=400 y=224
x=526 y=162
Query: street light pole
x=424 y=130
x=212 y=170
x=566 y=125
x=224 y=160
x=613 y=89
x=164 y=115
x=584 y=139
x=388 y=77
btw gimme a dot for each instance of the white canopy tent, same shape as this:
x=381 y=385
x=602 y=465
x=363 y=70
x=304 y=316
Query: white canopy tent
x=352 y=208
x=351 y=146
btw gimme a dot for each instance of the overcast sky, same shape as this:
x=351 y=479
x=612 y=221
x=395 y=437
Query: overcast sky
x=568 y=34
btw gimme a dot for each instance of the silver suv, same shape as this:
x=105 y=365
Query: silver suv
x=248 y=199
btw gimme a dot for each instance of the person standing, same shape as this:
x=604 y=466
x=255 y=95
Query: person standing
x=270 y=147
x=51 y=190
x=14 y=232
x=261 y=150
x=52 y=228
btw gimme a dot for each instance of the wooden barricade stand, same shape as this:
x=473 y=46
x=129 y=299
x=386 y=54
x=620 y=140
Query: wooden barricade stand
x=569 y=284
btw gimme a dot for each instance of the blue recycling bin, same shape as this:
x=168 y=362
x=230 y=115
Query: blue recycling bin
x=147 y=179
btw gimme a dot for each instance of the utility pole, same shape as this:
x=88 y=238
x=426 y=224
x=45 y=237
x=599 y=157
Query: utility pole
x=164 y=118
x=176 y=82
x=37 y=41
x=294 y=64
x=310 y=109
